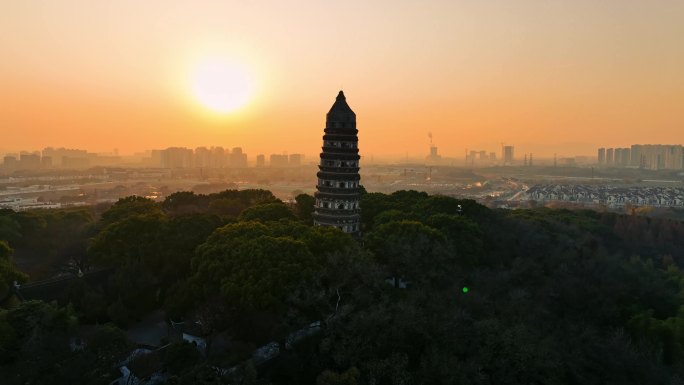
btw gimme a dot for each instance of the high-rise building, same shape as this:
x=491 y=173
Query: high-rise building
x=622 y=157
x=296 y=159
x=610 y=156
x=617 y=157
x=9 y=161
x=238 y=158
x=508 y=155
x=601 y=156
x=637 y=156
x=177 y=157
x=278 y=160
x=218 y=157
x=260 y=160
x=202 y=157
x=338 y=190
x=657 y=156
x=29 y=161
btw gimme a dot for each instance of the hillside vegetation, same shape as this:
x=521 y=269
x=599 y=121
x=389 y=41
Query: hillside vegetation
x=438 y=291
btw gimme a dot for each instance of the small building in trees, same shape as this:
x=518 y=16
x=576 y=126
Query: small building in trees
x=338 y=189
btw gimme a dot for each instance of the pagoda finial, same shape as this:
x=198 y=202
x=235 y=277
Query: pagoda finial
x=341 y=96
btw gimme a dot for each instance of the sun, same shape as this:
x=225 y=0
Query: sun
x=221 y=86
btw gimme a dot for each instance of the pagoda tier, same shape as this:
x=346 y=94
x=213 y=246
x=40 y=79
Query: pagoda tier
x=338 y=190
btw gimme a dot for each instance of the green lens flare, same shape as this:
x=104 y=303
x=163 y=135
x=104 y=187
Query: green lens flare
x=465 y=289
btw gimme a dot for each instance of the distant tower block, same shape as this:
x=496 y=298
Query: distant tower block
x=338 y=190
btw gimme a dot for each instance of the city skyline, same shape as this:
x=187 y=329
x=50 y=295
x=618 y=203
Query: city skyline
x=651 y=156
x=548 y=78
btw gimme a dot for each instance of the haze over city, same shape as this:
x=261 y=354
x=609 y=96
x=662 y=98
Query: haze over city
x=442 y=192
x=547 y=77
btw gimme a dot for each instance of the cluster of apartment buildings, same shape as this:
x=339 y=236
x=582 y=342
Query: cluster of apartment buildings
x=201 y=157
x=57 y=158
x=611 y=196
x=280 y=160
x=217 y=157
x=644 y=156
x=171 y=158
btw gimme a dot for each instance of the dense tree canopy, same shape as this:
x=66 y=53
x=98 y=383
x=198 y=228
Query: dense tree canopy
x=8 y=272
x=305 y=207
x=437 y=290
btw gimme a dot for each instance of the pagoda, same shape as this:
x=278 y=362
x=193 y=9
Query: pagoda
x=338 y=189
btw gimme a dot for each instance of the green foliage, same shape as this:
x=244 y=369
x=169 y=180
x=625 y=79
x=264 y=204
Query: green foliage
x=179 y=237
x=373 y=204
x=554 y=296
x=228 y=203
x=305 y=207
x=464 y=235
x=129 y=207
x=251 y=273
x=10 y=229
x=226 y=207
x=35 y=348
x=37 y=332
x=8 y=273
x=267 y=212
x=48 y=237
x=410 y=250
x=414 y=205
x=394 y=215
x=131 y=239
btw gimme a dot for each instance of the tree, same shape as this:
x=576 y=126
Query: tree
x=464 y=235
x=134 y=238
x=410 y=250
x=267 y=212
x=226 y=207
x=251 y=273
x=128 y=207
x=39 y=340
x=184 y=202
x=394 y=215
x=179 y=237
x=8 y=273
x=10 y=230
x=305 y=207
x=373 y=204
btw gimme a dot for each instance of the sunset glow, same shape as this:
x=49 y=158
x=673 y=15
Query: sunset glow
x=221 y=86
x=548 y=77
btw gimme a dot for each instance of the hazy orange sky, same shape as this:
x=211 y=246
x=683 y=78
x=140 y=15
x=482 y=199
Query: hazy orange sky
x=545 y=76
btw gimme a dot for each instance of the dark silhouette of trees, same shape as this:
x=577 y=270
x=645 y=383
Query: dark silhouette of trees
x=267 y=212
x=305 y=207
x=439 y=290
